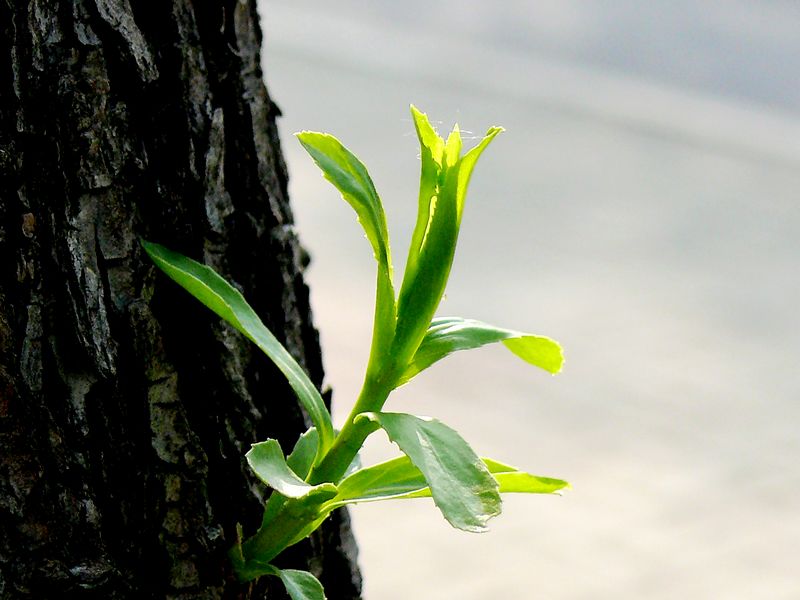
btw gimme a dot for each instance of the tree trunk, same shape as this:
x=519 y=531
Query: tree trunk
x=125 y=406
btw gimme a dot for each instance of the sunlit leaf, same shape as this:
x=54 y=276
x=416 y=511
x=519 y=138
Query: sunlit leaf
x=451 y=334
x=431 y=148
x=468 y=162
x=399 y=479
x=350 y=177
x=511 y=481
x=390 y=479
x=444 y=178
x=208 y=287
x=461 y=485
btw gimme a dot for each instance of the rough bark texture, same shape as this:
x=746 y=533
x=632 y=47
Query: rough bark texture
x=125 y=406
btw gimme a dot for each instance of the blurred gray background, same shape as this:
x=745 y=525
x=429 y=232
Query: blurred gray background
x=643 y=209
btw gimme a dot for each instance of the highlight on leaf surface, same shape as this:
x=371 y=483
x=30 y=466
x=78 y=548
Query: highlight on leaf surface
x=451 y=334
x=444 y=178
x=349 y=175
x=399 y=479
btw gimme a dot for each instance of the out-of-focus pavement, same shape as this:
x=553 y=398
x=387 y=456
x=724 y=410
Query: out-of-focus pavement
x=643 y=208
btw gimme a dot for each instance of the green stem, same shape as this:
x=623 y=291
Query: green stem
x=350 y=439
x=273 y=537
x=286 y=526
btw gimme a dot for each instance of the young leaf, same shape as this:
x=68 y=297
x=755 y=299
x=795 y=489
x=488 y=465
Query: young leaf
x=301 y=458
x=399 y=479
x=225 y=300
x=267 y=462
x=519 y=482
x=444 y=179
x=391 y=479
x=460 y=483
x=510 y=480
x=300 y=585
x=468 y=164
x=300 y=461
x=350 y=177
x=431 y=148
x=451 y=334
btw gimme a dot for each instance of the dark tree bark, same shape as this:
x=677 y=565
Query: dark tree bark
x=125 y=406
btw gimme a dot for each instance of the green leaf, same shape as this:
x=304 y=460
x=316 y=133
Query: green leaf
x=431 y=149
x=301 y=585
x=301 y=458
x=267 y=462
x=468 y=162
x=451 y=334
x=536 y=350
x=444 y=178
x=391 y=479
x=460 y=483
x=400 y=479
x=350 y=177
x=519 y=482
x=511 y=481
x=206 y=285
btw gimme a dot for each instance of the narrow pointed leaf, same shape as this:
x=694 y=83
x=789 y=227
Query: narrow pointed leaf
x=349 y=175
x=390 y=479
x=536 y=350
x=400 y=479
x=510 y=480
x=267 y=462
x=468 y=165
x=452 y=147
x=519 y=482
x=460 y=483
x=422 y=289
x=444 y=179
x=431 y=148
x=451 y=334
x=226 y=301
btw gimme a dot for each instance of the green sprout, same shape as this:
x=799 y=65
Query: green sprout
x=322 y=472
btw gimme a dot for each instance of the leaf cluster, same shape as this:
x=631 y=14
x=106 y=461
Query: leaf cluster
x=322 y=472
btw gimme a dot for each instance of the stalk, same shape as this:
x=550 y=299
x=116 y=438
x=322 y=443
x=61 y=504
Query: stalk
x=350 y=439
x=277 y=534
